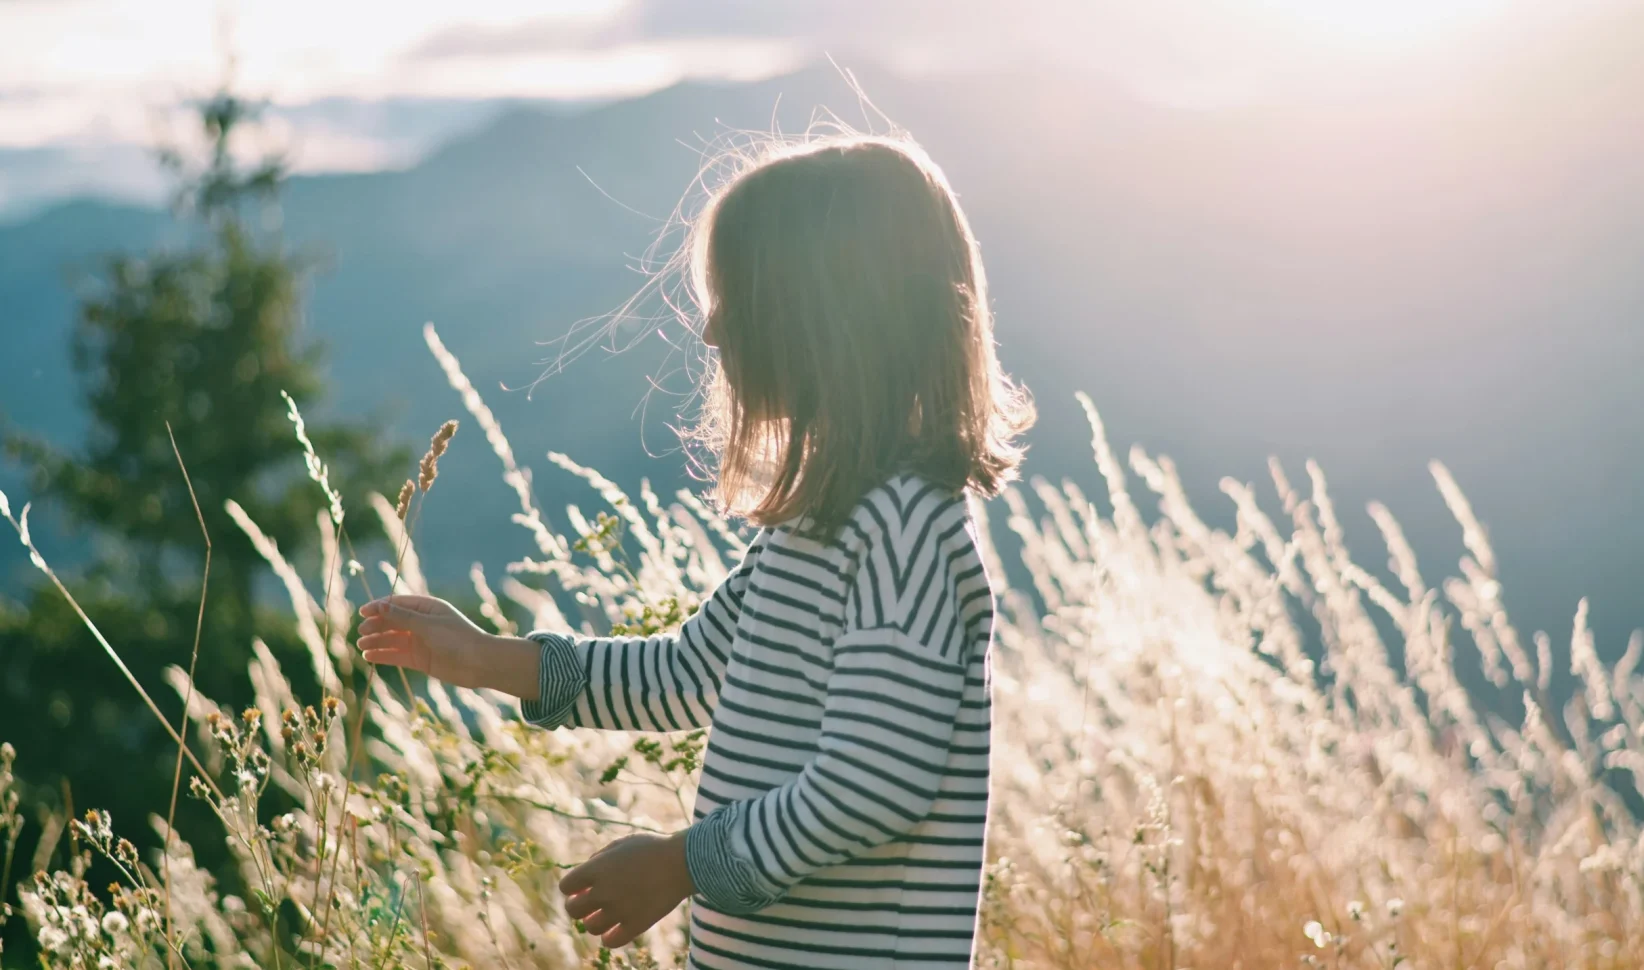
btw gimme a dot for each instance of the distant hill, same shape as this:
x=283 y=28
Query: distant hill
x=1444 y=266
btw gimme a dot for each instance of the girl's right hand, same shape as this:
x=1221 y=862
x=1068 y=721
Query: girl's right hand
x=428 y=634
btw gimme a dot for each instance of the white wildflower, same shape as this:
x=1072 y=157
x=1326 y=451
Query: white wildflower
x=148 y=920
x=78 y=923
x=115 y=923
x=52 y=939
x=1316 y=932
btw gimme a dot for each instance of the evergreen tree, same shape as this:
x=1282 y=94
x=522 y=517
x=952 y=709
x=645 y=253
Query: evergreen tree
x=205 y=337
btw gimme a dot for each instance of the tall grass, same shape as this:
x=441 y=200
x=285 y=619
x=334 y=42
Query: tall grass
x=1209 y=752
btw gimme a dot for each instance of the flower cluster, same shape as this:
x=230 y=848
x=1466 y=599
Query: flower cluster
x=75 y=928
x=306 y=733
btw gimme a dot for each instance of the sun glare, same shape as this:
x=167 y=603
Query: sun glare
x=1381 y=24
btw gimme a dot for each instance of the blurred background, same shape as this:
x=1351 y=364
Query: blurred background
x=1372 y=233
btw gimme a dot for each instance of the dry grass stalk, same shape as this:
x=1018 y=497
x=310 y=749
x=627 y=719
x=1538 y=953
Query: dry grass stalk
x=1229 y=749
x=429 y=468
x=402 y=506
x=193 y=659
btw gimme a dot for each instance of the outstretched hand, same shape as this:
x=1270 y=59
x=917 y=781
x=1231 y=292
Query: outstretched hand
x=428 y=634
x=625 y=887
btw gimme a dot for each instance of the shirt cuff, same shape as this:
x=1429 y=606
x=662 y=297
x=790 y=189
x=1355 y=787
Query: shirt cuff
x=726 y=881
x=561 y=678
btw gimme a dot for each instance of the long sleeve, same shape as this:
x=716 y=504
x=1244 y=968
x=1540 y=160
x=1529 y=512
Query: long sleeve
x=668 y=682
x=893 y=697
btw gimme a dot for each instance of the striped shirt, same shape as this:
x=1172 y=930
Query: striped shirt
x=840 y=815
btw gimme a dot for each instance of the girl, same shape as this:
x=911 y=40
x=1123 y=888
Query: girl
x=843 y=665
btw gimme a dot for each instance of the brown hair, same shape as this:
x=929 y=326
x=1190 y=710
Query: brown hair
x=841 y=283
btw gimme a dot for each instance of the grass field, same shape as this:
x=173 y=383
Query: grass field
x=1210 y=752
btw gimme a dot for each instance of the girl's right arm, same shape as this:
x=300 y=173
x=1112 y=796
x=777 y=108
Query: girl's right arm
x=668 y=682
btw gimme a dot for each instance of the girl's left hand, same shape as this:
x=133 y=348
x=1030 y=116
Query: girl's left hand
x=627 y=886
x=428 y=634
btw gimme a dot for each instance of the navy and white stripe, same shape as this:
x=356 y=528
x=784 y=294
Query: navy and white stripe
x=843 y=799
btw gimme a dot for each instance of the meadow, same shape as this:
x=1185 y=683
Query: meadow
x=1213 y=749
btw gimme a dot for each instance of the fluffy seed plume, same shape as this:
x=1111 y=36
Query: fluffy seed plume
x=429 y=469
x=406 y=491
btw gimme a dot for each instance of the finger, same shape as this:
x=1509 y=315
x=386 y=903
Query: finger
x=578 y=880
x=382 y=624
x=600 y=923
x=621 y=935
x=391 y=657
x=410 y=602
x=394 y=619
x=580 y=906
x=414 y=602
x=388 y=639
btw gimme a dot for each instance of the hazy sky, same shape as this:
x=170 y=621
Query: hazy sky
x=85 y=84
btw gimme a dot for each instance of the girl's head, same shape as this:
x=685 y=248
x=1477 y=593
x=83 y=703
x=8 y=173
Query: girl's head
x=844 y=291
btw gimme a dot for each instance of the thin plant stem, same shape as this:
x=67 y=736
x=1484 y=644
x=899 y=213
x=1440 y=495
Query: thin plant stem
x=113 y=655
x=359 y=726
x=422 y=913
x=325 y=641
x=182 y=721
x=561 y=813
x=348 y=784
x=399 y=904
x=338 y=537
x=5 y=872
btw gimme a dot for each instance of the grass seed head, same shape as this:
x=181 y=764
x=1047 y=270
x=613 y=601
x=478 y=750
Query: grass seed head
x=428 y=470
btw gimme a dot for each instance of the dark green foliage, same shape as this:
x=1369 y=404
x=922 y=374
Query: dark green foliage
x=202 y=338
x=205 y=338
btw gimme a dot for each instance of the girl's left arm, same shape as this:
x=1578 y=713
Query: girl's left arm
x=668 y=682
x=662 y=683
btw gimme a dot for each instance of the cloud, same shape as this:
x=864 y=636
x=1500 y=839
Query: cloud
x=646 y=20
x=85 y=75
x=969 y=27
x=1161 y=47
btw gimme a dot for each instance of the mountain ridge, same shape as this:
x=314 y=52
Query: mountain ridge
x=1417 y=273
